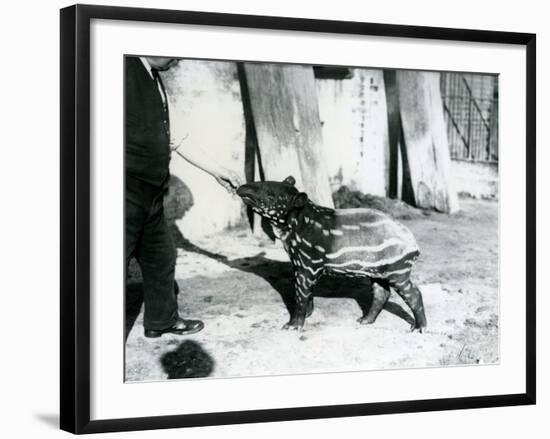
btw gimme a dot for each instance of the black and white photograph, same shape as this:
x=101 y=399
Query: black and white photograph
x=285 y=219
x=275 y=219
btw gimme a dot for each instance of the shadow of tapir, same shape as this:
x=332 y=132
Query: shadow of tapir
x=320 y=241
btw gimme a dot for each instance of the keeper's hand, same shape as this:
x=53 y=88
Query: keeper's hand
x=228 y=179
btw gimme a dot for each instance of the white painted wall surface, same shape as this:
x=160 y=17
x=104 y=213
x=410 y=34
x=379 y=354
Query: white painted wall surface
x=206 y=111
x=478 y=180
x=355 y=130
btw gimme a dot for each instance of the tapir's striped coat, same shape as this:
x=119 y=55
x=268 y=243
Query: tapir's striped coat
x=350 y=242
x=354 y=241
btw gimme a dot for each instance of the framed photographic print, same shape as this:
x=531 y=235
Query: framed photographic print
x=275 y=218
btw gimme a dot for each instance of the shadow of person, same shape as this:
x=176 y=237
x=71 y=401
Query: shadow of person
x=188 y=360
x=177 y=203
x=178 y=200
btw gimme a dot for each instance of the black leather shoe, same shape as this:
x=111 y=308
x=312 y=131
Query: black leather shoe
x=181 y=327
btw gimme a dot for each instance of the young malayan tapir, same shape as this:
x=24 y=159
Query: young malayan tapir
x=351 y=242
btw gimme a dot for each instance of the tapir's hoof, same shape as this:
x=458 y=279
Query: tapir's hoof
x=419 y=328
x=365 y=320
x=290 y=326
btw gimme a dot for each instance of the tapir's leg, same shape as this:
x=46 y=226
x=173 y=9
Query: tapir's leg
x=309 y=306
x=303 y=285
x=380 y=297
x=413 y=298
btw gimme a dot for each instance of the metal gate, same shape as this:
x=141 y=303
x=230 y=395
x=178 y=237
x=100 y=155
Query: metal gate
x=470 y=103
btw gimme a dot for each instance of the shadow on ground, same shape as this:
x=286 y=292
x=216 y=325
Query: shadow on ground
x=279 y=275
x=189 y=360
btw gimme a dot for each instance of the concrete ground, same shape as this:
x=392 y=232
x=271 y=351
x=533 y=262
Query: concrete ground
x=238 y=285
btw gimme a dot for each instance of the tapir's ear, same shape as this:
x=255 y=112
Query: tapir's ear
x=300 y=199
x=290 y=180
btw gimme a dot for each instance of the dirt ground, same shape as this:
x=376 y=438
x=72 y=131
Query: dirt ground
x=238 y=285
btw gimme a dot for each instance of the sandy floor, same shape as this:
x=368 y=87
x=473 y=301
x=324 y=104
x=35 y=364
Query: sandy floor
x=238 y=285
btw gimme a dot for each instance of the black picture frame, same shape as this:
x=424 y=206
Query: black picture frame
x=75 y=217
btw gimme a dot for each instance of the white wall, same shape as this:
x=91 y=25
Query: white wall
x=206 y=112
x=355 y=131
x=30 y=218
x=476 y=179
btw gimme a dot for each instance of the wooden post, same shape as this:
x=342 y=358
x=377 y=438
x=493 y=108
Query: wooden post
x=285 y=111
x=252 y=168
x=425 y=138
x=394 y=131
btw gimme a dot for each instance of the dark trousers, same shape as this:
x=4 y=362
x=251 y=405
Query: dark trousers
x=149 y=239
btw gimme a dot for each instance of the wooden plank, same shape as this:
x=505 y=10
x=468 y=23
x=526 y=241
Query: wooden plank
x=251 y=164
x=201 y=97
x=426 y=153
x=284 y=106
x=394 y=133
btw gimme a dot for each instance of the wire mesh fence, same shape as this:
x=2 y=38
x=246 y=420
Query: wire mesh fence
x=470 y=103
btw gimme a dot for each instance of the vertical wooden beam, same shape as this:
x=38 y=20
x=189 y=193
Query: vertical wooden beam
x=283 y=100
x=425 y=138
x=394 y=130
x=252 y=166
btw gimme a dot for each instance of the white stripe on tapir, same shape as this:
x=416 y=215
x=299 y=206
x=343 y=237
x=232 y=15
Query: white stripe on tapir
x=391 y=273
x=377 y=275
x=301 y=293
x=350 y=227
x=314 y=272
x=365 y=264
x=358 y=210
x=313 y=261
x=304 y=253
x=400 y=284
x=374 y=248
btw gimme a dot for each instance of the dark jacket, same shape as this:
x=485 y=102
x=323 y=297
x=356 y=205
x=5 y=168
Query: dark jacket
x=147 y=131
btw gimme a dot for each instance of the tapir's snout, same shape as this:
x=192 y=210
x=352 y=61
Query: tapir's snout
x=243 y=189
x=248 y=192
